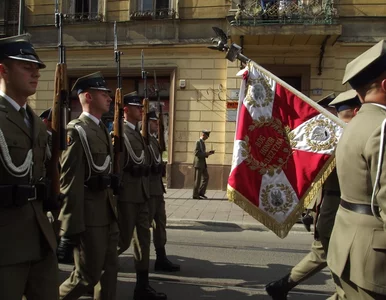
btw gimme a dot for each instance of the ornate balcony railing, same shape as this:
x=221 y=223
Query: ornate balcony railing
x=83 y=17
x=154 y=14
x=258 y=12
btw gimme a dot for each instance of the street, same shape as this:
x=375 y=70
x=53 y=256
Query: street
x=224 y=263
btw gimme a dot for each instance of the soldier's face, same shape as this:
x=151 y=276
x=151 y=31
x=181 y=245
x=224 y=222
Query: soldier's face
x=153 y=125
x=135 y=112
x=21 y=77
x=101 y=101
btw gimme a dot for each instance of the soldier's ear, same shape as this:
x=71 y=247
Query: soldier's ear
x=3 y=69
x=125 y=109
x=88 y=97
x=383 y=85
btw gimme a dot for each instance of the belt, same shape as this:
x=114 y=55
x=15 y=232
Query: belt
x=364 y=209
x=17 y=195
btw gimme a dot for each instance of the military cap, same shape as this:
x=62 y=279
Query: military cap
x=346 y=100
x=19 y=47
x=206 y=132
x=46 y=115
x=152 y=115
x=326 y=100
x=367 y=66
x=132 y=99
x=94 y=81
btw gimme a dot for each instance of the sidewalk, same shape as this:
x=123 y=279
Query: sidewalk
x=183 y=211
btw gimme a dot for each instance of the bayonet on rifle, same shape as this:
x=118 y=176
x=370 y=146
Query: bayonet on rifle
x=118 y=108
x=161 y=127
x=145 y=102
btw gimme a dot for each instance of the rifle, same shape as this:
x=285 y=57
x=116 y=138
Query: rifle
x=118 y=108
x=145 y=102
x=161 y=127
x=59 y=110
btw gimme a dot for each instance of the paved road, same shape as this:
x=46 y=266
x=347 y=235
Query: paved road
x=225 y=263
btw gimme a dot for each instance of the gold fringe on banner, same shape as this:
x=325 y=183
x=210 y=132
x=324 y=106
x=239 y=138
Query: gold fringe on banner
x=282 y=229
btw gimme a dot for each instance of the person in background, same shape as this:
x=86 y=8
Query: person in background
x=157 y=202
x=201 y=175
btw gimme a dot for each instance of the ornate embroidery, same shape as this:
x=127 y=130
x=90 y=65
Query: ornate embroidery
x=259 y=92
x=277 y=198
x=320 y=134
x=271 y=152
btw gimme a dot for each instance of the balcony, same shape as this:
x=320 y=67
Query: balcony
x=158 y=14
x=285 y=21
x=83 y=17
x=255 y=13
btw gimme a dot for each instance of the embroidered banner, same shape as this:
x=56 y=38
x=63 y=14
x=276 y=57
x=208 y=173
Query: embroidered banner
x=283 y=150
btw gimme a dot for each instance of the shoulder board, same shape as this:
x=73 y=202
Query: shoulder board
x=74 y=122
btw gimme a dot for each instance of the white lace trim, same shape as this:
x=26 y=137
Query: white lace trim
x=90 y=161
x=157 y=160
x=139 y=160
x=6 y=159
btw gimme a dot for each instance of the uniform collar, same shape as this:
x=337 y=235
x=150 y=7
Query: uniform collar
x=131 y=125
x=11 y=101
x=379 y=105
x=90 y=116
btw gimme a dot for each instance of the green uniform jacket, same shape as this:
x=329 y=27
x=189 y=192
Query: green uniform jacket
x=358 y=238
x=82 y=206
x=156 y=185
x=134 y=189
x=200 y=155
x=23 y=229
x=330 y=204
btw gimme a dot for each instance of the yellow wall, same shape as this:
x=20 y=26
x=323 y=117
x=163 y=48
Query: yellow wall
x=202 y=104
x=361 y=8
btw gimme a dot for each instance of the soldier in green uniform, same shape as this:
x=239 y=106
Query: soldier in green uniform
x=346 y=106
x=157 y=202
x=310 y=217
x=89 y=212
x=357 y=249
x=201 y=175
x=133 y=198
x=28 y=262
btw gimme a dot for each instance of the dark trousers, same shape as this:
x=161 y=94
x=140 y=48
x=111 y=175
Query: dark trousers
x=158 y=215
x=201 y=179
x=38 y=280
x=96 y=260
x=135 y=216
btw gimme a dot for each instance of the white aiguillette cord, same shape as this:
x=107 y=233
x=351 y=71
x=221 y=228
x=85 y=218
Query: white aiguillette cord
x=379 y=168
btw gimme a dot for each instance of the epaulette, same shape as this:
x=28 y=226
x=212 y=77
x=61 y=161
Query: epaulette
x=74 y=122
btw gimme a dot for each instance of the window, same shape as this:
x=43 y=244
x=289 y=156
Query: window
x=83 y=10
x=151 y=5
x=154 y=9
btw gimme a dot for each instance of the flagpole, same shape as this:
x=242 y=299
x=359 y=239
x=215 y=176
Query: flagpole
x=233 y=52
x=300 y=95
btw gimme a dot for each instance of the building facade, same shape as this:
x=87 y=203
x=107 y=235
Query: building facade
x=305 y=42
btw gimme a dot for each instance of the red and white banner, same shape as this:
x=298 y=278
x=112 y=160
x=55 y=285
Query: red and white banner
x=283 y=150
